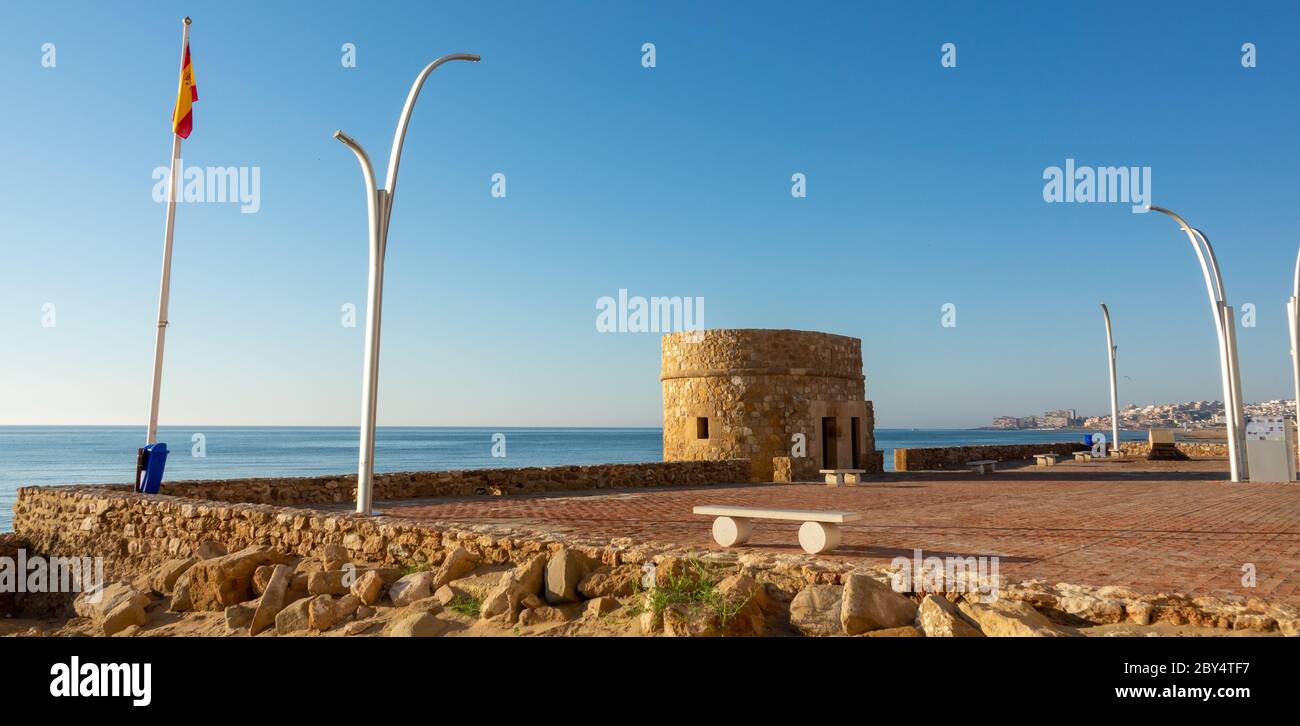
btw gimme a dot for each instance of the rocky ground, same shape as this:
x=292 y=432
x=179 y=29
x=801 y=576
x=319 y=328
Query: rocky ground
x=260 y=592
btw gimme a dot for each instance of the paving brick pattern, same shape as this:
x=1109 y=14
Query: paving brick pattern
x=1153 y=526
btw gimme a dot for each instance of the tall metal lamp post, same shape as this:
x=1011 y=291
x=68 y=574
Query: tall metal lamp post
x=1114 y=395
x=1293 y=324
x=379 y=209
x=1224 y=327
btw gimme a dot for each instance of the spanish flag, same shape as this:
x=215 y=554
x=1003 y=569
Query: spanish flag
x=182 y=117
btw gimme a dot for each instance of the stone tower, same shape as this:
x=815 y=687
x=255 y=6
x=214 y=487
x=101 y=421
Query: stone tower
x=748 y=394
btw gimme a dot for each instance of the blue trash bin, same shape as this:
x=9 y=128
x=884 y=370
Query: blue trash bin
x=1087 y=439
x=149 y=464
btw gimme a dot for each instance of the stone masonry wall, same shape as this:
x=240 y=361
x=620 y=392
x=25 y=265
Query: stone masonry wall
x=135 y=533
x=463 y=483
x=955 y=457
x=758 y=388
x=1195 y=449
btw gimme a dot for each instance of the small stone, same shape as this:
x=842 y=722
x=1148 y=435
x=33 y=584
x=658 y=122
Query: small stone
x=369 y=588
x=564 y=570
x=326 y=611
x=261 y=576
x=220 y=582
x=532 y=601
x=330 y=582
x=524 y=580
x=164 y=578
x=407 y=590
x=458 y=564
x=939 y=618
x=112 y=607
x=272 y=601
x=871 y=605
x=543 y=614
x=618 y=581
x=816 y=610
x=238 y=616
x=599 y=606
x=181 y=595
x=417 y=625
x=293 y=617
x=1012 y=618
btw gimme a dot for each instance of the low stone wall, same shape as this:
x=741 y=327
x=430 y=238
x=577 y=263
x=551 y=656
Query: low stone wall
x=955 y=457
x=137 y=532
x=1195 y=449
x=464 y=483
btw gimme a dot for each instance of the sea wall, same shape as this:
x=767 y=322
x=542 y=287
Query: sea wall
x=955 y=457
x=464 y=483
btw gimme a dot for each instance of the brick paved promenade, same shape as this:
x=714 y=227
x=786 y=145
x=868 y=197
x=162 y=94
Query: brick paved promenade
x=1153 y=526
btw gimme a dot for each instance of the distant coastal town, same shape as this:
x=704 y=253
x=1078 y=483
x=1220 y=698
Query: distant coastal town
x=1190 y=415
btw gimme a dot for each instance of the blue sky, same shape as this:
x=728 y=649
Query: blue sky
x=924 y=187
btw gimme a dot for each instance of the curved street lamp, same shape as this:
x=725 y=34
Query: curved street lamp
x=1226 y=332
x=1293 y=324
x=379 y=209
x=1114 y=396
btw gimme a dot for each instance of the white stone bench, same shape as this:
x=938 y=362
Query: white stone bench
x=1083 y=456
x=819 y=533
x=1046 y=459
x=838 y=478
x=982 y=466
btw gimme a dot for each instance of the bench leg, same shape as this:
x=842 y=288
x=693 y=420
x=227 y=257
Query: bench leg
x=731 y=531
x=818 y=537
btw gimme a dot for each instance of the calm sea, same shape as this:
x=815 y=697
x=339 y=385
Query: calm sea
x=103 y=454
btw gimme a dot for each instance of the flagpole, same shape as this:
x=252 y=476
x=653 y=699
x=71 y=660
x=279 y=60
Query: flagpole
x=164 y=292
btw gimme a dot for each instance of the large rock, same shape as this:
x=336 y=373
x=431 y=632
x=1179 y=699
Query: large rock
x=220 y=582
x=181 y=594
x=369 y=588
x=547 y=614
x=415 y=586
x=458 y=564
x=939 y=618
x=564 y=570
x=870 y=605
x=816 y=610
x=262 y=576
x=524 y=580
x=326 y=611
x=618 y=581
x=747 y=604
x=1004 y=618
x=599 y=606
x=682 y=621
x=417 y=625
x=331 y=582
x=238 y=616
x=164 y=578
x=113 y=607
x=1096 y=610
x=292 y=618
x=273 y=600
